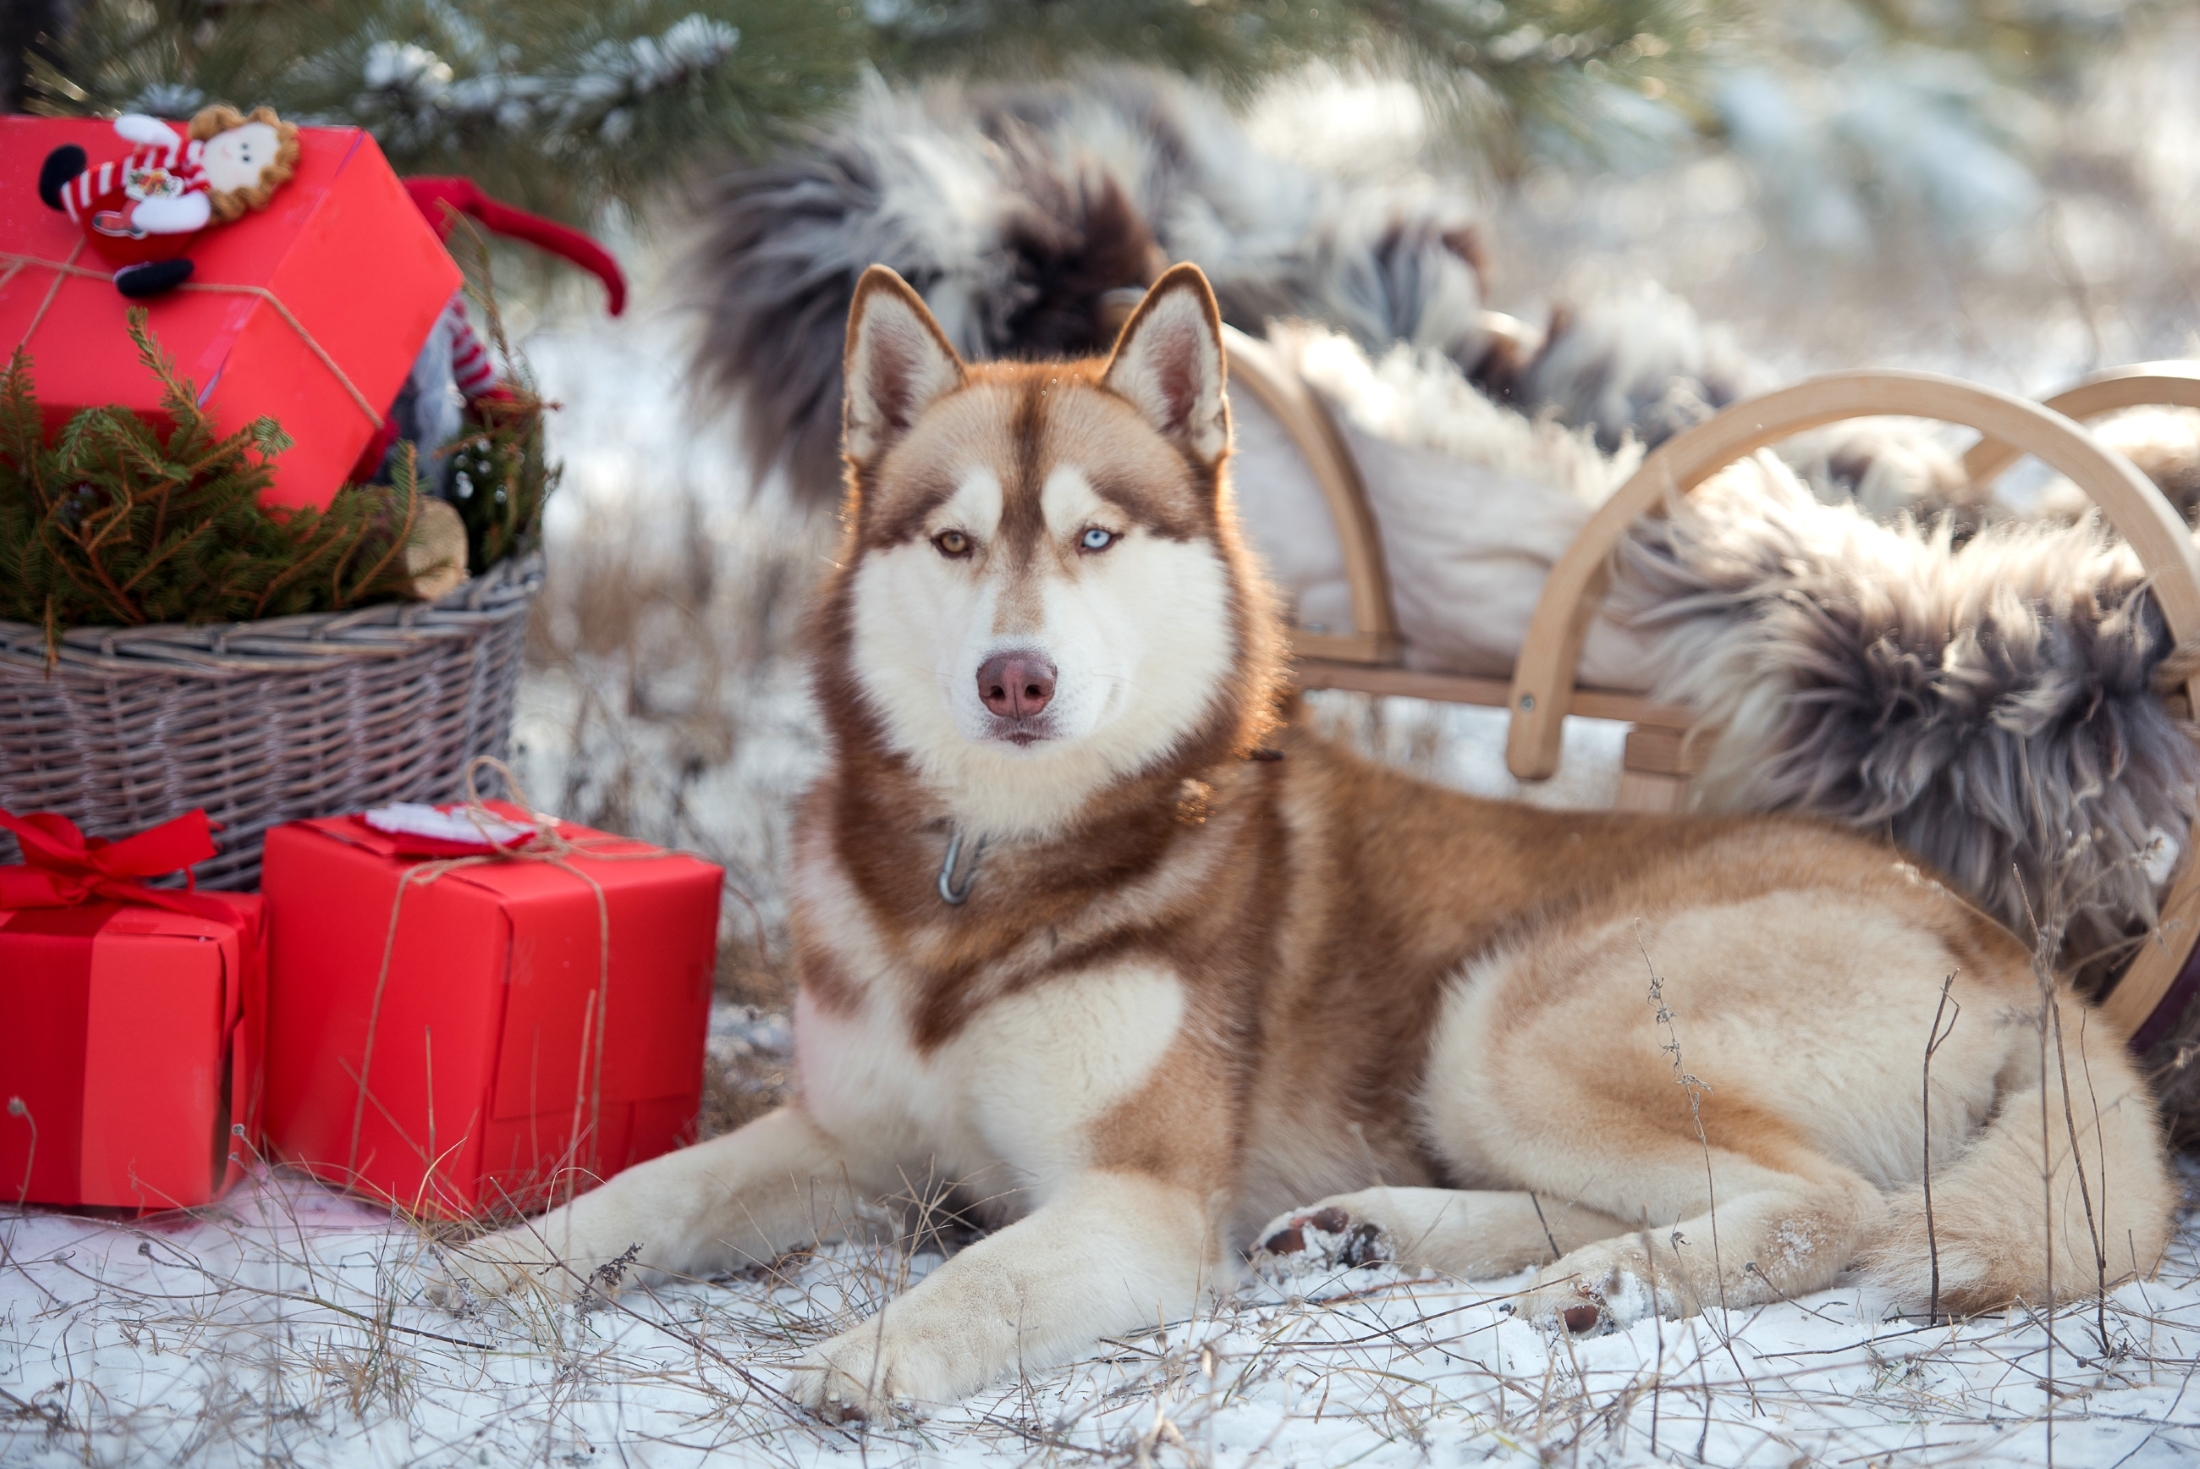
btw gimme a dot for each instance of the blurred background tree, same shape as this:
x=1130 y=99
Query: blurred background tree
x=1862 y=126
x=570 y=106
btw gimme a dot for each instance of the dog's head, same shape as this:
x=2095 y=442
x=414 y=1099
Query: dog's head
x=1043 y=591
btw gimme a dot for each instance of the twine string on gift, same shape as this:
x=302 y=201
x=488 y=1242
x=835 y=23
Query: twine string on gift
x=62 y=270
x=17 y=1107
x=69 y=267
x=549 y=847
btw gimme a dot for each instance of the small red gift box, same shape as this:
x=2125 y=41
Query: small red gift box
x=472 y=1035
x=129 y=1051
x=340 y=263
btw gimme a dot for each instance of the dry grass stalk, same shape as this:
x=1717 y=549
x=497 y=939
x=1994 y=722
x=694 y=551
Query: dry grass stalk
x=1935 y=1038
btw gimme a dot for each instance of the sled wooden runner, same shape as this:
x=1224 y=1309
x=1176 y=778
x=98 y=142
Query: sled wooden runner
x=1543 y=693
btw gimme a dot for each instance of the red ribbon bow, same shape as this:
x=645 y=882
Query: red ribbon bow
x=63 y=868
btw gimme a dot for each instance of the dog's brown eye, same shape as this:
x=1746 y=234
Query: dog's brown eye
x=952 y=543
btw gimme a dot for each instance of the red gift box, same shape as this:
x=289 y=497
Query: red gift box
x=458 y=1046
x=340 y=248
x=130 y=1050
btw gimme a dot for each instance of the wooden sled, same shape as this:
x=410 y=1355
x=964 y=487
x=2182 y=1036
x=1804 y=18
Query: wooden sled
x=1659 y=759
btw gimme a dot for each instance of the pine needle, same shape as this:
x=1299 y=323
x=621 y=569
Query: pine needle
x=113 y=522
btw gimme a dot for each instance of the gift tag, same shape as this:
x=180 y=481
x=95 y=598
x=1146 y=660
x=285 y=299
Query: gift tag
x=454 y=832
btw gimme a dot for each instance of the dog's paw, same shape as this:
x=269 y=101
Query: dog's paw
x=870 y=1373
x=1571 y=1307
x=1584 y=1295
x=453 y=1289
x=512 y=1261
x=1328 y=1236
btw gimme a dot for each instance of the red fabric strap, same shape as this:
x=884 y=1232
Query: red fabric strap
x=466 y=196
x=63 y=868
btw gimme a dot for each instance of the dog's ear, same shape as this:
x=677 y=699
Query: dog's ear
x=898 y=361
x=1168 y=362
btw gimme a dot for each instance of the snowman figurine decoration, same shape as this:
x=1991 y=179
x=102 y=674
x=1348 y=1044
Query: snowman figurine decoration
x=140 y=212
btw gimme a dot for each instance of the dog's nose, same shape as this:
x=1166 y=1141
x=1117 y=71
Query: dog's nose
x=1016 y=684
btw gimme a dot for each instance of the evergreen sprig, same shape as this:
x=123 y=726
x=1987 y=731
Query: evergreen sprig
x=1558 y=65
x=499 y=469
x=113 y=522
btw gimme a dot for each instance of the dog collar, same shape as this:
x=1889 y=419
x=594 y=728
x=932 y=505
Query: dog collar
x=951 y=895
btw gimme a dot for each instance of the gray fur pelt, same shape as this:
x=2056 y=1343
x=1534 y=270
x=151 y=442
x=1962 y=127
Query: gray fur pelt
x=1635 y=364
x=1017 y=211
x=1022 y=212
x=1991 y=707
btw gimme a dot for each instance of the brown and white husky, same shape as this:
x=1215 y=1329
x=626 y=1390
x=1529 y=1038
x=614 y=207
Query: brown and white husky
x=1088 y=929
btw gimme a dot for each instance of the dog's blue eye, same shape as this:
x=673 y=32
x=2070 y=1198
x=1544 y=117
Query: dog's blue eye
x=1096 y=539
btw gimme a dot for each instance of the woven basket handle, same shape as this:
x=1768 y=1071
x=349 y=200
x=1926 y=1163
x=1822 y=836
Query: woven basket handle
x=1542 y=688
x=2142 y=385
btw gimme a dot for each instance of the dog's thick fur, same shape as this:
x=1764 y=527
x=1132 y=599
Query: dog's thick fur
x=1208 y=967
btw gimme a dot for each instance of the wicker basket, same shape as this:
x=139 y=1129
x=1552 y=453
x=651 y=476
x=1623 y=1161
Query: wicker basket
x=262 y=722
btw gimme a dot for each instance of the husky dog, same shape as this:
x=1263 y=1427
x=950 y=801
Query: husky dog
x=1155 y=977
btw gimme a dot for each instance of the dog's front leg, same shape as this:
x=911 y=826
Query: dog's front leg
x=1112 y=1252
x=738 y=1200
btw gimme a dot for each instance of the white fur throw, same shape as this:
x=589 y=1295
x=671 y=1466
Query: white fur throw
x=1474 y=502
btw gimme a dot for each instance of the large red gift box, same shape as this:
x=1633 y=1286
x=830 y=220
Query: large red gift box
x=340 y=246
x=465 y=1051
x=129 y=1053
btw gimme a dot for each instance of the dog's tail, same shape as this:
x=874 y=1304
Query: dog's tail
x=2011 y=1219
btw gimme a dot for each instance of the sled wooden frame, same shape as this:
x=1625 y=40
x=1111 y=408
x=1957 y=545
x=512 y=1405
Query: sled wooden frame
x=1657 y=761
x=1543 y=692
x=1366 y=658
x=1305 y=418
x=2141 y=385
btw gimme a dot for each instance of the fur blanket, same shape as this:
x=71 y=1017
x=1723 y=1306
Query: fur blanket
x=1023 y=213
x=1475 y=500
x=1019 y=212
x=1991 y=707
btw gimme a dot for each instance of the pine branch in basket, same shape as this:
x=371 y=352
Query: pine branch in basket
x=499 y=465
x=112 y=521
x=501 y=473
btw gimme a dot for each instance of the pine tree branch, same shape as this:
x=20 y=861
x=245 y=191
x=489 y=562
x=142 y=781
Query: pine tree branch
x=570 y=106
x=407 y=482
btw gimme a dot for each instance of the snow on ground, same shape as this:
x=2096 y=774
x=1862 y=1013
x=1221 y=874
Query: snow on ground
x=286 y=1325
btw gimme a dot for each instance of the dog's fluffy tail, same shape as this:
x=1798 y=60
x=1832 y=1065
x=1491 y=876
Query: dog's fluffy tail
x=2012 y=1203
